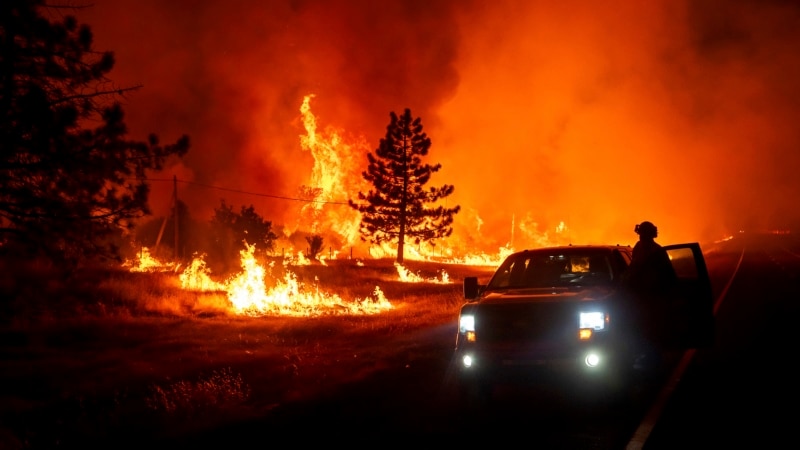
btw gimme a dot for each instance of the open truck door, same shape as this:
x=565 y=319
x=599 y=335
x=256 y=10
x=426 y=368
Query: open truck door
x=693 y=312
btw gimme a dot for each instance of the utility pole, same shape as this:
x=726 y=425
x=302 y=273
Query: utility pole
x=175 y=213
x=174 y=218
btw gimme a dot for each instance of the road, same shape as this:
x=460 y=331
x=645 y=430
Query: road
x=743 y=391
x=739 y=391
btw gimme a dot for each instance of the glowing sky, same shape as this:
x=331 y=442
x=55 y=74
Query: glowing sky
x=540 y=112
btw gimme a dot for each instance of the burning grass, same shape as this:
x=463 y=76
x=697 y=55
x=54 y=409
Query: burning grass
x=105 y=351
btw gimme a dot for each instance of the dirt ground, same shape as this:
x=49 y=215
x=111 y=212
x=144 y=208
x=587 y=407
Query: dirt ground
x=121 y=379
x=79 y=383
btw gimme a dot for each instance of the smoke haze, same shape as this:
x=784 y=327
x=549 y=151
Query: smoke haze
x=556 y=121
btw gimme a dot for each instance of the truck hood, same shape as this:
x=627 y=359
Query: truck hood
x=545 y=295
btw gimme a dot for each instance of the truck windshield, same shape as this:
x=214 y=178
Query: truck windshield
x=537 y=270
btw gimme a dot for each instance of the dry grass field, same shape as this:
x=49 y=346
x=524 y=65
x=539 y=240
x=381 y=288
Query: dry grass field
x=107 y=356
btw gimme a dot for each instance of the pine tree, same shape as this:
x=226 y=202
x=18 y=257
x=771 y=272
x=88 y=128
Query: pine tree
x=397 y=209
x=69 y=176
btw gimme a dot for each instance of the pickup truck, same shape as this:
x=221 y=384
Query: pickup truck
x=566 y=311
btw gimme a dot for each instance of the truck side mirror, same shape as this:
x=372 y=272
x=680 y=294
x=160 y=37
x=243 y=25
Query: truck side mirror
x=471 y=288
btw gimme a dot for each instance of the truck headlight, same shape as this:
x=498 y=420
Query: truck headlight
x=466 y=323
x=595 y=320
x=466 y=326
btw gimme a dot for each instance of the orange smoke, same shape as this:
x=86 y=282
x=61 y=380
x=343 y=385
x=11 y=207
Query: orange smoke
x=557 y=122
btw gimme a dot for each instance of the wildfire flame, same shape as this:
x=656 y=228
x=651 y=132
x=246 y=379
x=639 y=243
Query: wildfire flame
x=249 y=295
x=407 y=276
x=298 y=260
x=148 y=263
x=338 y=162
x=335 y=161
x=196 y=277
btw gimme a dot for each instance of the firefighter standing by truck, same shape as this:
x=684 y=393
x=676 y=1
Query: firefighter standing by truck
x=651 y=281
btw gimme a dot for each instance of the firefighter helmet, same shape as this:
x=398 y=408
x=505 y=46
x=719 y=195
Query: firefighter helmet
x=646 y=229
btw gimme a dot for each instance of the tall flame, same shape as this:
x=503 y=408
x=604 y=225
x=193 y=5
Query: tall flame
x=336 y=172
x=335 y=162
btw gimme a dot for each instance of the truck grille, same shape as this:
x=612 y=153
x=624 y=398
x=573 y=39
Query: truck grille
x=546 y=321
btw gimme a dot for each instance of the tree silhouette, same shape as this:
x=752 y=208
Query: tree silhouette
x=232 y=230
x=314 y=245
x=396 y=210
x=65 y=187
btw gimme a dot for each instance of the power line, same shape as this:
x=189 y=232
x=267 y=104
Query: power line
x=239 y=191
